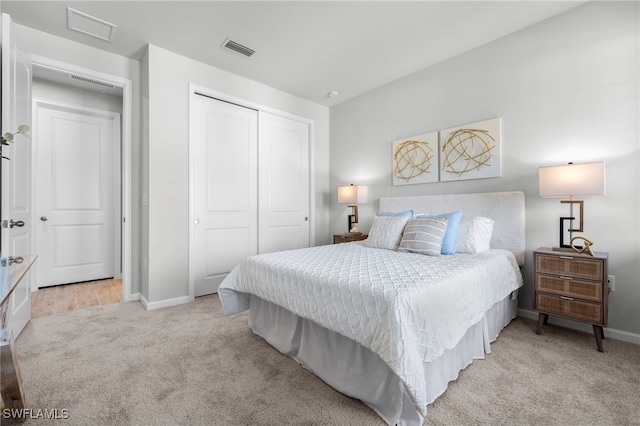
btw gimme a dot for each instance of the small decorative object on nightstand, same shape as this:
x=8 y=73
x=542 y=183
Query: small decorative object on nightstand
x=572 y=286
x=347 y=238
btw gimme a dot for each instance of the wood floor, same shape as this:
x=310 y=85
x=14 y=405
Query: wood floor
x=71 y=297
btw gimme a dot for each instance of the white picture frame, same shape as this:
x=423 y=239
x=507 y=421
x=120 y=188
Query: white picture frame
x=415 y=159
x=471 y=151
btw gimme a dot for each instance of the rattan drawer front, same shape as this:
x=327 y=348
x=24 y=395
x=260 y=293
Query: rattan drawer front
x=567 y=265
x=574 y=309
x=580 y=289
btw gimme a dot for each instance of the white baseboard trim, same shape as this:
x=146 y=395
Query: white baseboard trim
x=144 y=302
x=150 y=306
x=575 y=325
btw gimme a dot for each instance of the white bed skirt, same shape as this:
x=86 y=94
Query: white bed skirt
x=359 y=373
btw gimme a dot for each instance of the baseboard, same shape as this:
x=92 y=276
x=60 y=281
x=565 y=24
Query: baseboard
x=575 y=325
x=144 y=302
x=150 y=306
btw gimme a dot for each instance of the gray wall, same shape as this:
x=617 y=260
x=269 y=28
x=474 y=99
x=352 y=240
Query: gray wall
x=166 y=81
x=566 y=89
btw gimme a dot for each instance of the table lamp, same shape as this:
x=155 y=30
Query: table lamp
x=569 y=180
x=353 y=195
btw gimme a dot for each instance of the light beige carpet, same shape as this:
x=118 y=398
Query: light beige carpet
x=190 y=365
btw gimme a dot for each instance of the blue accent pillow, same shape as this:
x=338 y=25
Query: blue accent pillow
x=408 y=214
x=450 y=236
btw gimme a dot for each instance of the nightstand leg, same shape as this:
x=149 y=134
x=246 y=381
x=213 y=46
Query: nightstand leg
x=599 y=333
x=542 y=319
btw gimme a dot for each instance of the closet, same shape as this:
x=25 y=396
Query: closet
x=249 y=187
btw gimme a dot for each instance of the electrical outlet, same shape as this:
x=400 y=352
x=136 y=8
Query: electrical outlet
x=612 y=283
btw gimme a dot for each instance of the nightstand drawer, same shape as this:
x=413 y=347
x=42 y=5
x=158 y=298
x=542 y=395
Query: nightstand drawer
x=347 y=238
x=567 y=286
x=574 y=309
x=570 y=265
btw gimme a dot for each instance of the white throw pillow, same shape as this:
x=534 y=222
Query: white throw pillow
x=424 y=236
x=386 y=232
x=474 y=235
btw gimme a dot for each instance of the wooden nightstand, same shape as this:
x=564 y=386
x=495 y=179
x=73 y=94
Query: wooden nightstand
x=346 y=238
x=572 y=286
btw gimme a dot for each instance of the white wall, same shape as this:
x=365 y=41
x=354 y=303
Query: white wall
x=56 y=92
x=566 y=89
x=168 y=76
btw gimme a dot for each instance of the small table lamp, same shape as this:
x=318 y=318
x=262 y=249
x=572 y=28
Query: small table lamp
x=569 y=180
x=353 y=195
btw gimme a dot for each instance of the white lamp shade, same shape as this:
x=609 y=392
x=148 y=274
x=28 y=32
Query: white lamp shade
x=352 y=194
x=572 y=179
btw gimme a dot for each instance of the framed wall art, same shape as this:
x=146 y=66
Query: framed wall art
x=415 y=159
x=471 y=151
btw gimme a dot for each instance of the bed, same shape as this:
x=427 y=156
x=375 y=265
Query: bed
x=391 y=326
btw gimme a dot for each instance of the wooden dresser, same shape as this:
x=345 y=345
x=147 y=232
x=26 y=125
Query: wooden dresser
x=12 y=271
x=346 y=238
x=572 y=286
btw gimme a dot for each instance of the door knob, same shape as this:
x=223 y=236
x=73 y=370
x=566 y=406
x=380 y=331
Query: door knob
x=44 y=218
x=19 y=223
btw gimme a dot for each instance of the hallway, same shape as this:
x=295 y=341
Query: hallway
x=71 y=297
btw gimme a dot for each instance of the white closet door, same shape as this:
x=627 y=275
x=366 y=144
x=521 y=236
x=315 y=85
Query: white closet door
x=283 y=184
x=224 y=190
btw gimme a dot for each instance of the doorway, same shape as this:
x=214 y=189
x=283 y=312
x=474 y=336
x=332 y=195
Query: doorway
x=76 y=153
x=86 y=82
x=73 y=297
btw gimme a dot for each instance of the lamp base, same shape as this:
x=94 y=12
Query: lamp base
x=562 y=249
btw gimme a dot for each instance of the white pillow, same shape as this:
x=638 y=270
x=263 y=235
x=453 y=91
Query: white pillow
x=386 y=232
x=424 y=236
x=474 y=235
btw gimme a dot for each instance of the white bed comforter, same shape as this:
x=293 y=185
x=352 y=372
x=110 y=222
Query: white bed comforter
x=407 y=308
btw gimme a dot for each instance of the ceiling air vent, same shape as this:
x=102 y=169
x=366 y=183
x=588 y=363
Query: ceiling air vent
x=92 y=81
x=238 y=48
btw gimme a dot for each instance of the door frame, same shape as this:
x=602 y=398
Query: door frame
x=197 y=90
x=117 y=175
x=126 y=122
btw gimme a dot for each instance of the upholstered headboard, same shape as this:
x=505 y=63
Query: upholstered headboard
x=505 y=208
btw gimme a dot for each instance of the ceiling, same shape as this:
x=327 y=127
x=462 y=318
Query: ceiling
x=306 y=48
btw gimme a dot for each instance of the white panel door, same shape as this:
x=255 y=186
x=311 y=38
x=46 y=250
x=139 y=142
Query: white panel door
x=224 y=190
x=283 y=183
x=76 y=193
x=16 y=171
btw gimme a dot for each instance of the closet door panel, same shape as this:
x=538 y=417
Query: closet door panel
x=224 y=190
x=283 y=183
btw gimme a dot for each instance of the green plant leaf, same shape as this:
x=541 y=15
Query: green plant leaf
x=23 y=128
x=8 y=136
